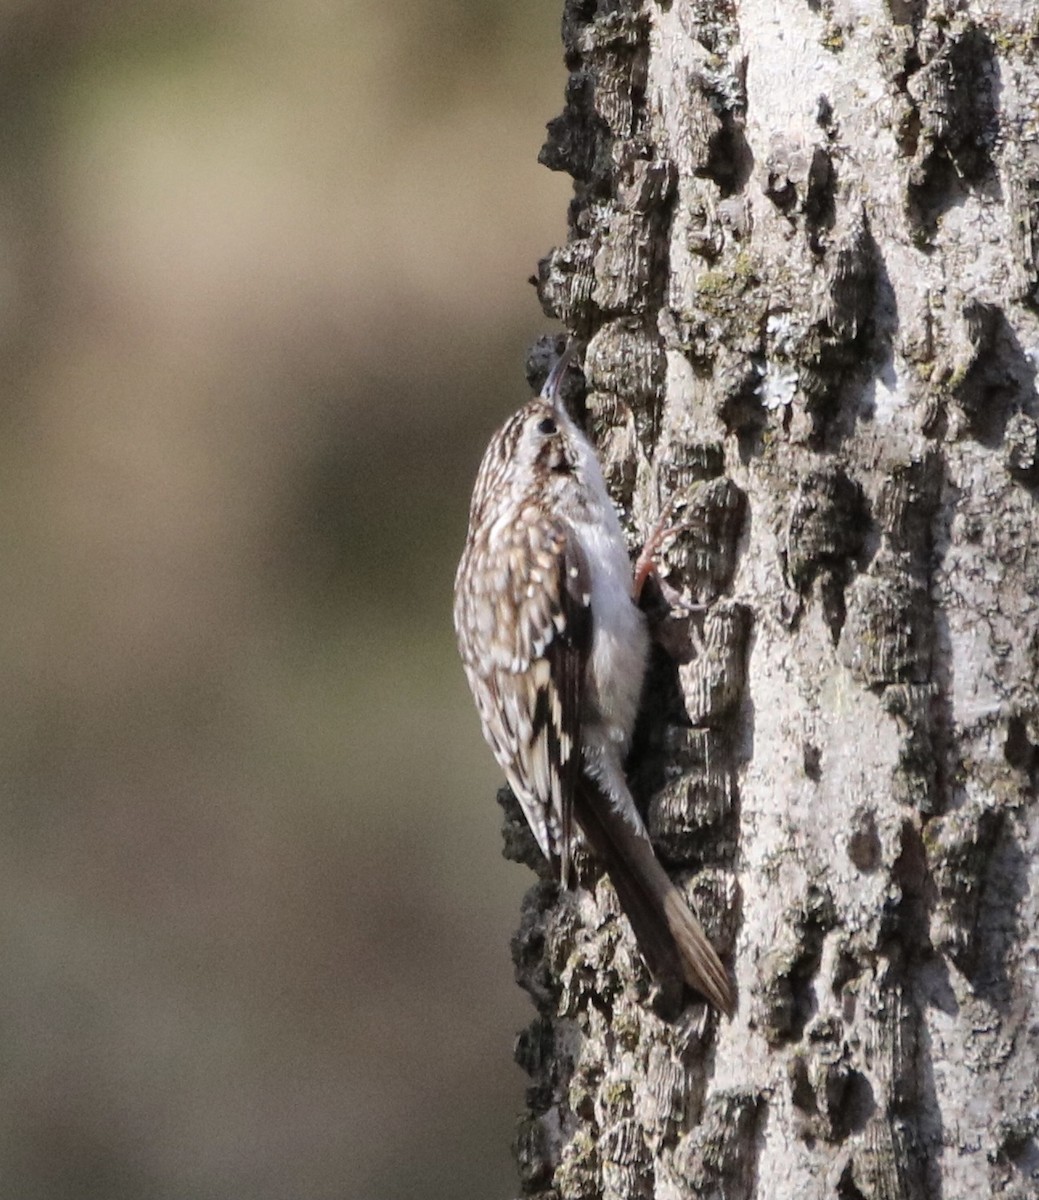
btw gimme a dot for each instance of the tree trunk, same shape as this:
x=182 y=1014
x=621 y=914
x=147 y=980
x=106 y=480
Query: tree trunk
x=804 y=254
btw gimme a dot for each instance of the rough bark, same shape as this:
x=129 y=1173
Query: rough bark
x=803 y=253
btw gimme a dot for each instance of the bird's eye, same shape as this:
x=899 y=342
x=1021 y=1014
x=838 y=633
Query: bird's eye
x=546 y=426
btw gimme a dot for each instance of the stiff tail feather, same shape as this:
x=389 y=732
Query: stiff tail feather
x=671 y=939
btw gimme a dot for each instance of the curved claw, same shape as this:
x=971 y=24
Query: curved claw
x=646 y=563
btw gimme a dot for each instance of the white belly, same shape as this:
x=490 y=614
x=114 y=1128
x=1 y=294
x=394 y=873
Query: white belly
x=620 y=642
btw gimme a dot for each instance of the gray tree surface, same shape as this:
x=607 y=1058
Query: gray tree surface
x=803 y=253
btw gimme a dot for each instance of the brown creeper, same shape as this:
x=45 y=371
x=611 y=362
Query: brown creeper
x=555 y=650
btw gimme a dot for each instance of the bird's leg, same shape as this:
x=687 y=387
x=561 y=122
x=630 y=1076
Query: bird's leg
x=674 y=621
x=646 y=565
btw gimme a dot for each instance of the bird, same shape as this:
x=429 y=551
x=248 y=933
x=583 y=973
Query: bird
x=554 y=648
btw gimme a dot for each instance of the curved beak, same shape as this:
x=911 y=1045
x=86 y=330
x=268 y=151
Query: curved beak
x=550 y=391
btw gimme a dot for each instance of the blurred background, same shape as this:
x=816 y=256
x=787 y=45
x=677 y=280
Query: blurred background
x=263 y=297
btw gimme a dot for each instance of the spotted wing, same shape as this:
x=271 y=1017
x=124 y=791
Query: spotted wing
x=526 y=612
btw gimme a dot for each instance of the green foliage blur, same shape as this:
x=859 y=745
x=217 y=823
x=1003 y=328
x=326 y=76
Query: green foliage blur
x=263 y=273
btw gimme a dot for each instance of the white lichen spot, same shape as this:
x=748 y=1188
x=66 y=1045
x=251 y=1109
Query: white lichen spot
x=782 y=332
x=779 y=387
